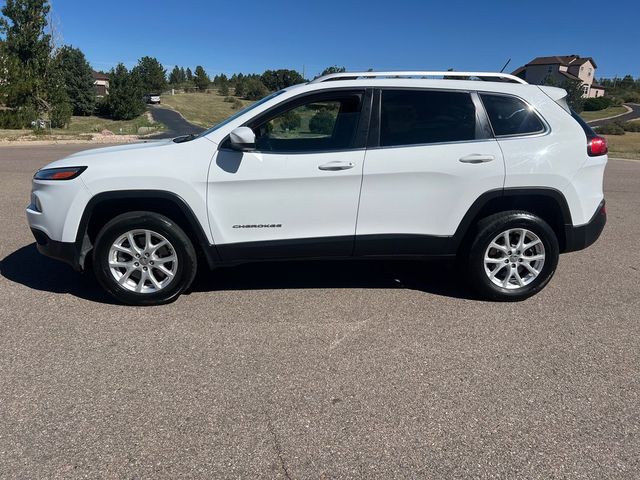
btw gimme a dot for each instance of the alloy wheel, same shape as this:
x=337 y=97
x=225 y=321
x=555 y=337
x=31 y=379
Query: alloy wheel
x=143 y=261
x=514 y=258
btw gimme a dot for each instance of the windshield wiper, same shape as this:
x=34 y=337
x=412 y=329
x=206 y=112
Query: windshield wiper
x=185 y=138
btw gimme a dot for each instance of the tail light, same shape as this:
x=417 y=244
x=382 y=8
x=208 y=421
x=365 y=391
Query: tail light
x=597 y=146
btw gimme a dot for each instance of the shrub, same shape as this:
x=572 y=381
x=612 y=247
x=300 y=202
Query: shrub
x=631 y=97
x=322 y=122
x=102 y=107
x=224 y=89
x=290 y=120
x=60 y=114
x=254 y=89
x=631 y=126
x=240 y=88
x=237 y=104
x=610 y=129
x=594 y=104
x=229 y=99
x=15 y=119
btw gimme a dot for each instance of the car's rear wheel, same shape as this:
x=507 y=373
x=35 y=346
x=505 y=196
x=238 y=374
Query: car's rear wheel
x=143 y=258
x=512 y=256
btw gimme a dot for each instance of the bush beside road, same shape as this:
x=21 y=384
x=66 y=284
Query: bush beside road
x=85 y=128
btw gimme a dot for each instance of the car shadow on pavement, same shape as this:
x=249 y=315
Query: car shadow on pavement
x=29 y=268
x=435 y=277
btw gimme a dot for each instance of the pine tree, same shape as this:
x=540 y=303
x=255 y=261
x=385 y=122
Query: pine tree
x=334 y=69
x=152 y=75
x=254 y=89
x=78 y=80
x=223 y=86
x=125 y=94
x=201 y=79
x=278 y=79
x=175 y=76
x=60 y=105
x=26 y=53
x=189 y=75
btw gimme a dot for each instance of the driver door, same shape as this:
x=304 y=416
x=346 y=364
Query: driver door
x=297 y=194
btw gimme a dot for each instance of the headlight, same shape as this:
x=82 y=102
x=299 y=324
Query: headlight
x=63 y=173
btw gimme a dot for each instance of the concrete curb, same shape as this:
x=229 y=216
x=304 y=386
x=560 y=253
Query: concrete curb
x=637 y=160
x=629 y=110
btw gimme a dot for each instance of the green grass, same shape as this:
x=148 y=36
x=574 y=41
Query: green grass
x=82 y=128
x=624 y=146
x=607 y=112
x=204 y=109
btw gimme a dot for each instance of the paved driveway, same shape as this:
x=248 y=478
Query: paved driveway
x=632 y=115
x=331 y=370
x=176 y=124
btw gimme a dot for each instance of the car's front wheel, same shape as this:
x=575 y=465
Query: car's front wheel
x=512 y=256
x=143 y=258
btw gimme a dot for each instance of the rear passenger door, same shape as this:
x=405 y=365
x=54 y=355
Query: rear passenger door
x=431 y=154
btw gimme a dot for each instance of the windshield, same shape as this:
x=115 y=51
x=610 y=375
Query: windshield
x=241 y=112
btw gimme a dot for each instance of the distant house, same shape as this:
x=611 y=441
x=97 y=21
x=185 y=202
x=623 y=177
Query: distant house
x=101 y=83
x=561 y=68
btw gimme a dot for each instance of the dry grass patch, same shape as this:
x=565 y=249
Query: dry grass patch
x=624 y=146
x=204 y=109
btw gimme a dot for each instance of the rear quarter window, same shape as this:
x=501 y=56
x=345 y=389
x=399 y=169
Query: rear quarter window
x=511 y=116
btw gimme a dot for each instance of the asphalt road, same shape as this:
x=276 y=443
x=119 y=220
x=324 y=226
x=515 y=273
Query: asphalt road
x=176 y=124
x=632 y=115
x=321 y=370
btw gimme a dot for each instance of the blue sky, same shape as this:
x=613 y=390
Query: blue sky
x=251 y=36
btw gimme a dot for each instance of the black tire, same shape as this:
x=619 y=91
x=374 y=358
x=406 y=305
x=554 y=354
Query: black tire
x=184 y=251
x=489 y=228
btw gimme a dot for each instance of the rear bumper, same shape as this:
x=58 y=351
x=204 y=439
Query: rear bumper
x=578 y=238
x=67 y=252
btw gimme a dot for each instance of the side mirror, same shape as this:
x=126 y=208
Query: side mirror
x=242 y=139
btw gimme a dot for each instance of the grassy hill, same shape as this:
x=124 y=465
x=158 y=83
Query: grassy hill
x=204 y=109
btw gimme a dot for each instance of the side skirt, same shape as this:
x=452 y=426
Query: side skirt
x=343 y=247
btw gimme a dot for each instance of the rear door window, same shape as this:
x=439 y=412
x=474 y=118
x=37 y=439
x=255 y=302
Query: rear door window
x=511 y=116
x=413 y=117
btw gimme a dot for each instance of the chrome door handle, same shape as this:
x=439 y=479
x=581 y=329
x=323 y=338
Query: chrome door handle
x=335 y=166
x=477 y=158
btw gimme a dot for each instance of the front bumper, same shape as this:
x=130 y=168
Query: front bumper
x=578 y=238
x=67 y=252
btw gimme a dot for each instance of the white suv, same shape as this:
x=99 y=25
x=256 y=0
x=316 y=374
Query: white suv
x=494 y=171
